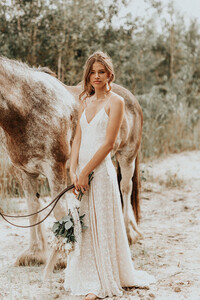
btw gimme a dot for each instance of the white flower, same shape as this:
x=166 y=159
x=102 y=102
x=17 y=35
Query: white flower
x=72 y=202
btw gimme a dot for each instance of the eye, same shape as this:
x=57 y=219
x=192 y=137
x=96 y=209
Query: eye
x=102 y=72
x=92 y=72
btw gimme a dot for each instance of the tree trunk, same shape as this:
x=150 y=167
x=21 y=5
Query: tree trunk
x=59 y=65
x=171 y=67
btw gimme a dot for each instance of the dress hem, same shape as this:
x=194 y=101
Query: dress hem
x=99 y=295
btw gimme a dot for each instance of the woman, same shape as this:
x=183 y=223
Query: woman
x=104 y=265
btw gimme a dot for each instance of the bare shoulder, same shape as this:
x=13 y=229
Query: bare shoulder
x=116 y=100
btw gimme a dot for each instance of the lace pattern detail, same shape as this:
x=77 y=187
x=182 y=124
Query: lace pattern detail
x=104 y=265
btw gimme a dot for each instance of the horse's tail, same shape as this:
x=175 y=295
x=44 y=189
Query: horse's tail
x=136 y=185
x=119 y=177
x=135 y=194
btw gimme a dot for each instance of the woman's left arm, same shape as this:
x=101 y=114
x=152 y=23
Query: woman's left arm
x=115 y=120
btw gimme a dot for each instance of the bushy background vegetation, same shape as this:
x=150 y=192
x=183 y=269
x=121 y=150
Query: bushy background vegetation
x=155 y=56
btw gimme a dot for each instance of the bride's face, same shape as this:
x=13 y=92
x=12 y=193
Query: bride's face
x=98 y=75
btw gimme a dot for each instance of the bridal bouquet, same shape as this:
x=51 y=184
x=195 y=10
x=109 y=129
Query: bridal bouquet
x=71 y=226
x=65 y=227
x=68 y=232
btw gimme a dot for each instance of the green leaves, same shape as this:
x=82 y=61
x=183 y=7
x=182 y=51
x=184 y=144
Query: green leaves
x=65 y=227
x=68 y=225
x=65 y=219
x=55 y=227
x=62 y=34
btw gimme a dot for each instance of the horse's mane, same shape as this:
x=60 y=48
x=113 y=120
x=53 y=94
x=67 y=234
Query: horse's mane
x=15 y=68
x=46 y=70
x=6 y=60
x=30 y=85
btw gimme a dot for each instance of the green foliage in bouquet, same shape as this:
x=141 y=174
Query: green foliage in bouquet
x=65 y=227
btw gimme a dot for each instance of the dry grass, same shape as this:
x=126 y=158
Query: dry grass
x=10 y=187
x=172 y=181
x=169 y=181
x=170 y=126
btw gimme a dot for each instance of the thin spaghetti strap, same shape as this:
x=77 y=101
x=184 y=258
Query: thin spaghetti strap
x=109 y=97
x=90 y=100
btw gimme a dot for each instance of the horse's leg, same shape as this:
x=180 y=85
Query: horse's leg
x=36 y=253
x=126 y=185
x=57 y=178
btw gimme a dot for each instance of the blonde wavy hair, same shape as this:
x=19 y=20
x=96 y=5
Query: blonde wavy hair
x=106 y=61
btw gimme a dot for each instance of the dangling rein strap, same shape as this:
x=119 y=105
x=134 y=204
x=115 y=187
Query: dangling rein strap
x=39 y=211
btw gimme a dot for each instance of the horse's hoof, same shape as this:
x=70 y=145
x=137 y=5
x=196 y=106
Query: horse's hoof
x=133 y=236
x=61 y=263
x=31 y=258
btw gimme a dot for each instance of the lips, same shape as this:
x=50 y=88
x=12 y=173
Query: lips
x=97 y=81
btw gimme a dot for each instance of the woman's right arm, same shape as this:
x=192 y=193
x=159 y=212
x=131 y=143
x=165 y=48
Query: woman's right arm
x=75 y=147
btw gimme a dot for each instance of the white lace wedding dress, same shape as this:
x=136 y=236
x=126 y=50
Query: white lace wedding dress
x=104 y=265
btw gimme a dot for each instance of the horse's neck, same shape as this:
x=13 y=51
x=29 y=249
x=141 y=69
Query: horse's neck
x=74 y=90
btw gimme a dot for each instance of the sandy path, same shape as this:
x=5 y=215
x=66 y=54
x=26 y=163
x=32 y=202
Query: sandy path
x=170 y=249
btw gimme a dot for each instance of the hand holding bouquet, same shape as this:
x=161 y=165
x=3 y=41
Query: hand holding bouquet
x=68 y=231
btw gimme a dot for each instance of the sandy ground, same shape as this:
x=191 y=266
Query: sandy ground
x=170 y=249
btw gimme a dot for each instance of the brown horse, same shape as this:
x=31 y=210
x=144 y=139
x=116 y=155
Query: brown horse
x=38 y=117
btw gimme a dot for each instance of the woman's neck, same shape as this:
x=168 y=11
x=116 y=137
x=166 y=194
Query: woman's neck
x=100 y=94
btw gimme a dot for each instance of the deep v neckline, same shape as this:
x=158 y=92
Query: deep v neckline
x=103 y=108
x=94 y=115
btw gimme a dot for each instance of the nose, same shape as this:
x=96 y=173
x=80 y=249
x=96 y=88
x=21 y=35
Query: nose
x=96 y=75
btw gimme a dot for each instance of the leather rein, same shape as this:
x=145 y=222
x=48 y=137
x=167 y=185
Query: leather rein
x=56 y=199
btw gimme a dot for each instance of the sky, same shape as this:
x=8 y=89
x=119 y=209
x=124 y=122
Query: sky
x=190 y=8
